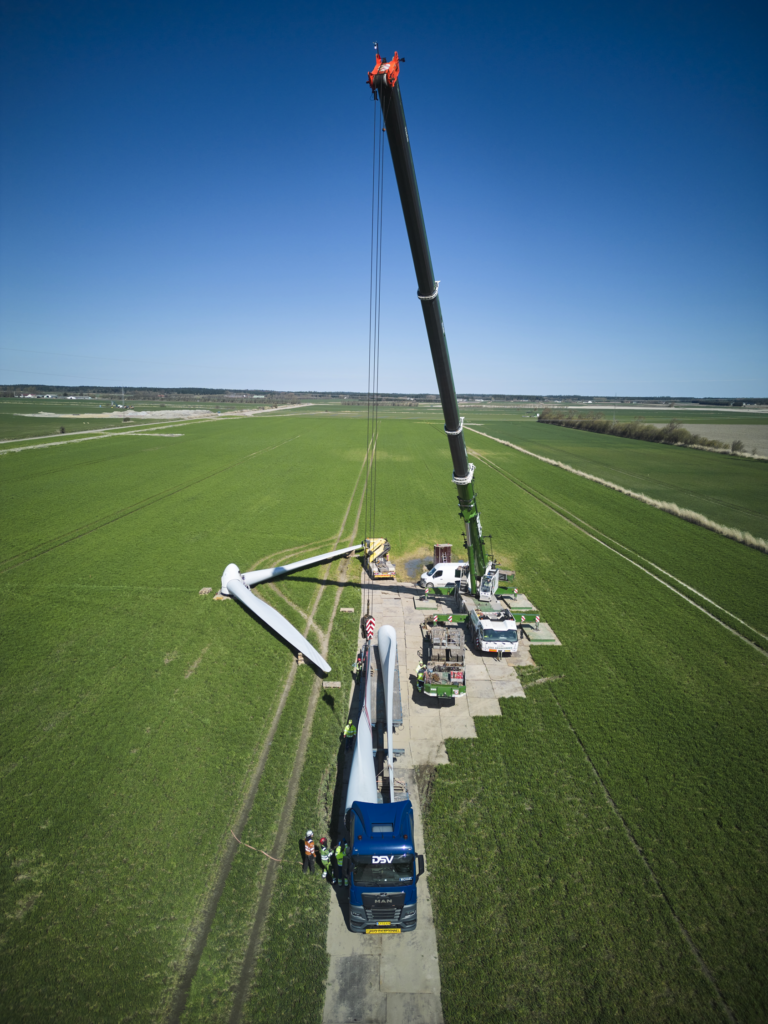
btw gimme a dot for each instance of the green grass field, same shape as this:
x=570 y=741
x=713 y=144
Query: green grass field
x=728 y=490
x=597 y=853
x=135 y=709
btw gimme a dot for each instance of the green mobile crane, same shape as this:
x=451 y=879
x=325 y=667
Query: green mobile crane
x=486 y=579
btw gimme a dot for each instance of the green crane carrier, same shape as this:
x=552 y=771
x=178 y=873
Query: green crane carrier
x=486 y=579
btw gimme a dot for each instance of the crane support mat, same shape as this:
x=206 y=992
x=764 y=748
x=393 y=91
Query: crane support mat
x=380 y=696
x=544 y=635
x=519 y=604
x=428 y=605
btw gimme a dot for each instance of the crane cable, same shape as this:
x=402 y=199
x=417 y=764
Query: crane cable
x=374 y=327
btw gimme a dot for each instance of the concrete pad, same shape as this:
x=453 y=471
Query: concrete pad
x=484 y=707
x=341 y=942
x=508 y=688
x=426 y=726
x=473 y=672
x=413 y=636
x=480 y=688
x=500 y=669
x=409 y=962
x=419 y=712
x=425 y=752
x=414 y=1008
x=352 y=994
x=523 y=656
x=457 y=708
x=460 y=729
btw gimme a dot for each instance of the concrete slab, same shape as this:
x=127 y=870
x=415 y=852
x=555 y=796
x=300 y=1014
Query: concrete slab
x=409 y=962
x=508 y=688
x=340 y=941
x=523 y=656
x=484 y=707
x=426 y=752
x=353 y=994
x=500 y=669
x=414 y=1008
x=477 y=688
x=459 y=728
x=475 y=672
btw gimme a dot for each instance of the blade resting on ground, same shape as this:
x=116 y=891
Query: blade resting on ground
x=267 y=614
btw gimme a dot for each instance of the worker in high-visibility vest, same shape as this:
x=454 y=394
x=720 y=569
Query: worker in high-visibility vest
x=350 y=732
x=338 y=855
x=309 y=854
x=420 y=671
x=325 y=856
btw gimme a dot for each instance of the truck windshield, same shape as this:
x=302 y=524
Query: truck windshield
x=365 y=873
x=504 y=635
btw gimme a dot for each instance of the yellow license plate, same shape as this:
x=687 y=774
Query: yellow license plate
x=382 y=931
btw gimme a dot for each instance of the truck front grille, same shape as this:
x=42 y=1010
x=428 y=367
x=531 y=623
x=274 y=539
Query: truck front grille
x=380 y=914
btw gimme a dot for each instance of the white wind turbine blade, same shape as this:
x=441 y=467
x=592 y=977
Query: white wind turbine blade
x=387 y=657
x=260 y=575
x=240 y=592
x=362 y=784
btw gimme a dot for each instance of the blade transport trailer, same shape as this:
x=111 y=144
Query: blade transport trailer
x=385 y=865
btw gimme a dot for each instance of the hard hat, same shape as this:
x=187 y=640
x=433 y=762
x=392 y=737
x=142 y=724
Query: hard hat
x=309 y=833
x=323 y=839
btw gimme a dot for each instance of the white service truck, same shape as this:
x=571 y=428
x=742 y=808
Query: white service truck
x=491 y=629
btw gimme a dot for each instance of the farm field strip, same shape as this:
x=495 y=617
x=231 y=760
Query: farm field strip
x=130 y=755
x=202 y=931
x=154 y=431
x=550 y=915
x=590 y=532
x=599 y=533
x=673 y=508
x=725 y=489
x=638 y=850
x=637 y=480
x=286 y=819
x=19 y=558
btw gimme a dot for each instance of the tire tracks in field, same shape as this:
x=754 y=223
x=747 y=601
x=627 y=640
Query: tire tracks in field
x=179 y=998
x=701 y=962
x=22 y=557
x=589 y=531
x=555 y=507
x=262 y=911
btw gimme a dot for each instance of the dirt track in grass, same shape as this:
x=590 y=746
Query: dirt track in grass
x=179 y=999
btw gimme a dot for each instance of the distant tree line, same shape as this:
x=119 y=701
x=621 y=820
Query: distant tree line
x=672 y=433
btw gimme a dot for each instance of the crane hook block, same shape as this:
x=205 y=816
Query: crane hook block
x=389 y=69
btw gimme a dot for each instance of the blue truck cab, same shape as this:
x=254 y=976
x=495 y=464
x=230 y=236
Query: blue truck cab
x=385 y=867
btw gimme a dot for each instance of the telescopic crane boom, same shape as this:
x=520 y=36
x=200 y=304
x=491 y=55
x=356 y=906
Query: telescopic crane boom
x=384 y=83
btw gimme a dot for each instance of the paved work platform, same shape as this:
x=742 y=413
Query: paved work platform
x=395 y=979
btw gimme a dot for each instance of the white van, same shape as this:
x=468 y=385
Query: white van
x=445 y=574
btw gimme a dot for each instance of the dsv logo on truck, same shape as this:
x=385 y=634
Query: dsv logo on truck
x=382 y=860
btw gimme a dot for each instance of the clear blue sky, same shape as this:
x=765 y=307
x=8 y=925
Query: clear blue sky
x=186 y=194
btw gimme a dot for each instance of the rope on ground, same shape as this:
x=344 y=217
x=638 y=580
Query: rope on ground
x=276 y=859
